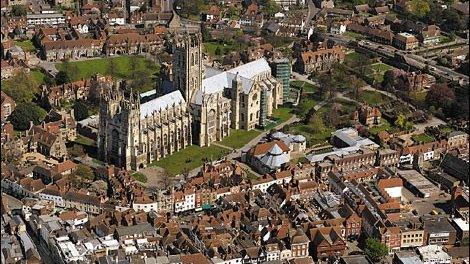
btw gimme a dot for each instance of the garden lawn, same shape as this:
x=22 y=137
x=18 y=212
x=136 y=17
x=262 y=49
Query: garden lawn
x=351 y=58
x=384 y=126
x=85 y=141
x=307 y=87
x=282 y=114
x=26 y=45
x=423 y=138
x=224 y=48
x=311 y=136
x=37 y=75
x=378 y=70
x=189 y=158
x=88 y=68
x=140 y=177
x=353 y=35
x=373 y=98
x=239 y=137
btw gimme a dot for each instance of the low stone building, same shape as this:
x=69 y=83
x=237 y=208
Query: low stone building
x=8 y=106
x=71 y=49
x=132 y=43
x=320 y=60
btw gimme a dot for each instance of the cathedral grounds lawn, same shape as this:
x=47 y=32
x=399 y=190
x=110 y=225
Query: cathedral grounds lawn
x=239 y=137
x=26 y=45
x=282 y=114
x=307 y=87
x=189 y=158
x=373 y=98
x=87 y=68
x=140 y=177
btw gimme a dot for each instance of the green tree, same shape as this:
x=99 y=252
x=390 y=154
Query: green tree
x=401 y=121
x=19 y=10
x=21 y=87
x=84 y=172
x=48 y=80
x=80 y=109
x=270 y=7
x=25 y=113
x=217 y=51
x=316 y=122
x=375 y=250
x=419 y=8
x=62 y=77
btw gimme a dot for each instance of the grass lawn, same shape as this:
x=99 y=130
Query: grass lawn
x=353 y=35
x=378 y=70
x=384 y=126
x=224 y=48
x=308 y=132
x=85 y=141
x=373 y=98
x=351 y=58
x=140 y=177
x=304 y=106
x=419 y=96
x=26 y=45
x=307 y=87
x=282 y=114
x=238 y=138
x=37 y=75
x=423 y=138
x=189 y=158
x=88 y=68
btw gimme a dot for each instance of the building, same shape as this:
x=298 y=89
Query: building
x=197 y=111
x=433 y=254
x=70 y=49
x=319 y=60
x=418 y=184
x=430 y=35
x=367 y=115
x=405 y=41
x=268 y=157
x=281 y=69
x=8 y=106
x=462 y=227
x=438 y=231
x=49 y=19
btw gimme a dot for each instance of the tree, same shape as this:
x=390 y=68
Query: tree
x=80 y=109
x=25 y=113
x=401 y=121
x=21 y=87
x=316 y=121
x=206 y=35
x=19 y=10
x=357 y=87
x=84 y=172
x=388 y=80
x=217 y=51
x=440 y=95
x=76 y=151
x=48 y=80
x=270 y=7
x=419 y=8
x=62 y=77
x=375 y=250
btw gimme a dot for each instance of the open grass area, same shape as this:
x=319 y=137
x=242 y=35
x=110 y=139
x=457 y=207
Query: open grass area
x=310 y=134
x=423 y=138
x=373 y=98
x=307 y=87
x=189 y=158
x=224 y=48
x=26 y=45
x=238 y=138
x=306 y=103
x=140 y=177
x=377 y=71
x=37 y=75
x=353 y=35
x=282 y=114
x=87 y=68
x=384 y=126
x=85 y=141
x=351 y=58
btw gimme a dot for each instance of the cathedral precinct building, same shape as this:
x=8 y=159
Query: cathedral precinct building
x=202 y=108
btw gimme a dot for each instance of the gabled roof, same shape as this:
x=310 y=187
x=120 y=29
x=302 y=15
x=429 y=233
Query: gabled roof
x=160 y=103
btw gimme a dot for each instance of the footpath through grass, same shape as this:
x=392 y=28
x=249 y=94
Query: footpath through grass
x=189 y=158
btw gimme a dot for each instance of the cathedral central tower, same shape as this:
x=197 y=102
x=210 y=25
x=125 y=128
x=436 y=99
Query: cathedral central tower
x=187 y=64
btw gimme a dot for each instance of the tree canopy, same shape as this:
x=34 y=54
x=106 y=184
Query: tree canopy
x=375 y=250
x=21 y=87
x=80 y=109
x=19 y=10
x=25 y=113
x=84 y=172
x=62 y=77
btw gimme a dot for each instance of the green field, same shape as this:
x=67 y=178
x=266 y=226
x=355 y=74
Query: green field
x=238 y=138
x=140 y=177
x=26 y=45
x=37 y=75
x=384 y=126
x=377 y=71
x=87 y=68
x=353 y=35
x=308 y=132
x=189 y=158
x=210 y=48
x=351 y=58
x=282 y=114
x=423 y=138
x=373 y=98
x=85 y=141
x=307 y=87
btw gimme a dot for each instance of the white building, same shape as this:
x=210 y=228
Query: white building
x=433 y=254
x=45 y=19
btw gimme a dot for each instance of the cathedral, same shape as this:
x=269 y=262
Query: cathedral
x=203 y=106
